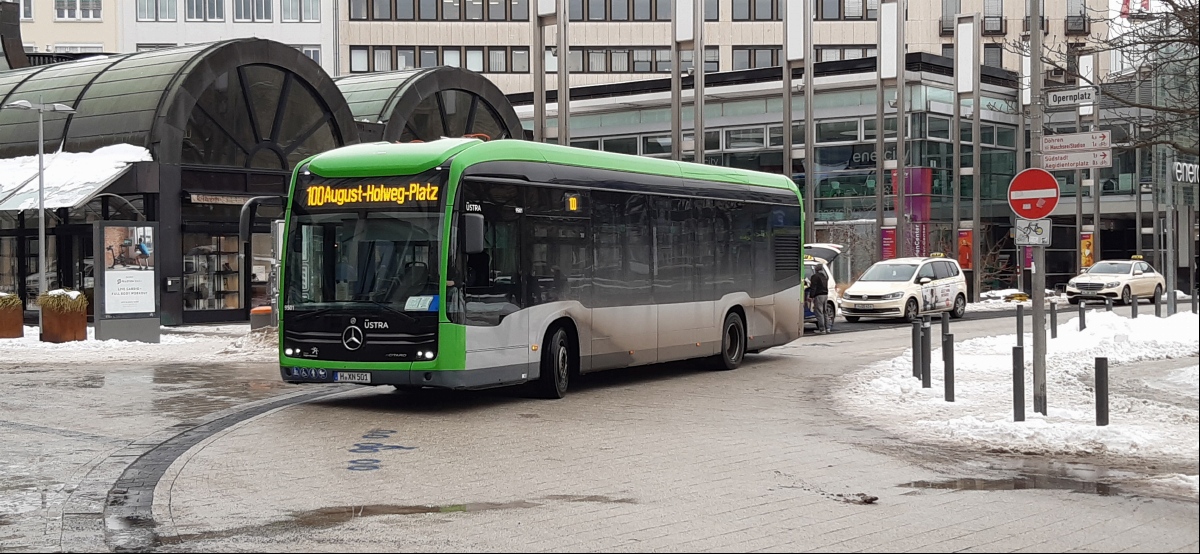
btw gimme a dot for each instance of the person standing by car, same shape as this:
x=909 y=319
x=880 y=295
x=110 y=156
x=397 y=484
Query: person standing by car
x=819 y=286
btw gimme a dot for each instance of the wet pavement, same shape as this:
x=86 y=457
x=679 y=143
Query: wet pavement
x=203 y=456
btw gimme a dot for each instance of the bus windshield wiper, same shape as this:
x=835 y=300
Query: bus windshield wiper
x=387 y=308
x=311 y=314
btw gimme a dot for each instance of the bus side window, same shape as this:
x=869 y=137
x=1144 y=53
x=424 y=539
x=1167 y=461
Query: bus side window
x=493 y=281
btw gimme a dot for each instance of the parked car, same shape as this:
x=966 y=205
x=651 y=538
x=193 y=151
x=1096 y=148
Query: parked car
x=821 y=254
x=1116 y=279
x=907 y=288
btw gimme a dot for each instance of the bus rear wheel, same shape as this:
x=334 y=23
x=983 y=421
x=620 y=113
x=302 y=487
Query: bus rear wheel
x=557 y=356
x=733 y=343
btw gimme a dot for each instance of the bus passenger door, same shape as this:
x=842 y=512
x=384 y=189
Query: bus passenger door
x=624 y=316
x=497 y=323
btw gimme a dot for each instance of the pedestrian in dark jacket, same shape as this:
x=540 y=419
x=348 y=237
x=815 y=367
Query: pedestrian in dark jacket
x=818 y=289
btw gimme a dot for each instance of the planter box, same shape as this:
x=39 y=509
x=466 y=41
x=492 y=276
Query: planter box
x=64 y=327
x=12 y=323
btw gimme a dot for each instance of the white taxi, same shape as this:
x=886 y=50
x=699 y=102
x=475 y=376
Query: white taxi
x=908 y=288
x=1116 y=279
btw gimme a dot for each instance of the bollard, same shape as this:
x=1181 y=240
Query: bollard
x=1054 y=320
x=916 y=347
x=1082 y=315
x=926 y=338
x=1020 y=325
x=1158 y=305
x=948 y=360
x=945 y=323
x=1194 y=294
x=1133 y=307
x=1108 y=304
x=1101 y=392
x=1018 y=383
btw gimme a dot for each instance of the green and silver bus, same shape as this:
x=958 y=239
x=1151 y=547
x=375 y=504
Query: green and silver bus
x=467 y=264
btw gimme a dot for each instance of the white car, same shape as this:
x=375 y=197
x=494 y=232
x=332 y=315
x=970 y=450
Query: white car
x=1116 y=279
x=907 y=288
x=821 y=254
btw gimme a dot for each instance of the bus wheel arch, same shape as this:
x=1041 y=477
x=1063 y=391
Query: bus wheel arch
x=733 y=330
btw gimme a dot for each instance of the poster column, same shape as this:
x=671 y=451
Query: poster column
x=1086 y=250
x=127 y=292
x=887 y=238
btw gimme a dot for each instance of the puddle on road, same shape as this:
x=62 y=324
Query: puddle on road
x=195 y=391
x=1020 y=482
x=325 y=517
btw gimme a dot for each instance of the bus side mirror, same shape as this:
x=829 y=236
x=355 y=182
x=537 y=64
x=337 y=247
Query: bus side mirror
x=473 y=232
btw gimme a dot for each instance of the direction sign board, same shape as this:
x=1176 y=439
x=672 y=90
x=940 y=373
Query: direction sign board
x=1099 y=140
x=1032 y=232
x=1033 y=193
x=1077 y=160
x=1073 y=97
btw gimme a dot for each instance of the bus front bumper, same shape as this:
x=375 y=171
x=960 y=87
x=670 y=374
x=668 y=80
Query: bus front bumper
x=459 y=379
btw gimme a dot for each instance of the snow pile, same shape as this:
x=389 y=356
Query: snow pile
x=72 y=294
x=174 y=347
x=981 y=417
x=261 y=340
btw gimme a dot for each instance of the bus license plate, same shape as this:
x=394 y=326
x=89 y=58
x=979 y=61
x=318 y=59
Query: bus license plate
x=865 y=306
x=352 y=377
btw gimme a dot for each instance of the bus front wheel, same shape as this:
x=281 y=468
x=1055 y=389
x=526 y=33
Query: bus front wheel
x=733 y=342
x=556 y=365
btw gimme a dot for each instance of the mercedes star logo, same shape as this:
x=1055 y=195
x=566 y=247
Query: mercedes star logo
x=352 y=338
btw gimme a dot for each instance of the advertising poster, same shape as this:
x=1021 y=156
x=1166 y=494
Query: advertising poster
x=1086 y=254
x=966 y=241
x=1028 y=257
x=887 y=236
x=128 y=270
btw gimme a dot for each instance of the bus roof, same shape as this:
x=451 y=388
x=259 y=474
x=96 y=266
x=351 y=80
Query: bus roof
x=383 y=158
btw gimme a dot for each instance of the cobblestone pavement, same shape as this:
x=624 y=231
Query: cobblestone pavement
x=664 y=458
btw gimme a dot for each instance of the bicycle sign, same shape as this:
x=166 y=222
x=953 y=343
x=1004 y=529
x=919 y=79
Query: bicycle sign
x=1032 y=232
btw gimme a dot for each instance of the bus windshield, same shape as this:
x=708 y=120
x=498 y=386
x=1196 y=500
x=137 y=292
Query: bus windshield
x=364 y=241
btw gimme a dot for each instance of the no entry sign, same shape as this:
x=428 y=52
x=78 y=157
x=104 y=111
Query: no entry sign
x=1033 y=194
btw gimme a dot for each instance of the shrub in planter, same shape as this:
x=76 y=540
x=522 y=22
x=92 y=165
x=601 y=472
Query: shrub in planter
x=12 y=324
x=64 y=315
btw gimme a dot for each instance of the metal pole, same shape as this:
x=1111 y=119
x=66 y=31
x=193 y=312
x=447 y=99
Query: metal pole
x=1172 y=268
x=564 y=75
x=1108 y=304
x=1054 y=320
x=902 y=229
x=41 y=216
x=1194 y=295
x=1133 y=307
x=538 y=69
x=1020 y=325
x=1101 y=392
x=881 y=147
x=1158 y=305
x=1018 y=366
x=698 y=77
x=676 y=91
x=926 y=339
x=1082 y=315
x=945 y=324
x=1079 y=214
x=976 y=153
x=1097 y=187
x=916 y=347
x=810 y=127
x=1137 y=165
x=956 y=171
x=1038 y=271
x=948 y=361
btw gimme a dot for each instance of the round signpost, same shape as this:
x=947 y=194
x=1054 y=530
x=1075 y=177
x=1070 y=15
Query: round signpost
x=1033 y=194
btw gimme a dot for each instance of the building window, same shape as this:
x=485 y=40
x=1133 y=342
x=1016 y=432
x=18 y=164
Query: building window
x=358 y=9
x=948 y=50
x=497 y=60
x=520 y=60
x=712 y=10
x=520 y=10
x=252 y=10
x=427 y=9
x=750 y=10
x=837 y=131
x=597 y=60
x=831 y=10
x=429 y=56
x=754 y=57
x=26 y=9
x=77 y=9
x=642 y=60
x=474 y=11
x=381 y=9
x=382 y=59
x=206 y=10
x=950 y=11
x=844 y=52
x=475 y=59
x=149 y=47
x=993 y=55
x=641 y=10
x=156 y=10
x=359 y=59
x=452 y=56
x=30 y=47
x=312 y=51
x=406 y=58
x=575 y=61
x=405 y=10
x=993 y=17
x=79 y=48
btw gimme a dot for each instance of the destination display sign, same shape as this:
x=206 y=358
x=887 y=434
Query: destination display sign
x=325 y=195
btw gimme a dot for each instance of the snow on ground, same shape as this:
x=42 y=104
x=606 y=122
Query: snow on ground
x=994 y=301
x=982 y=415
x=213 y=344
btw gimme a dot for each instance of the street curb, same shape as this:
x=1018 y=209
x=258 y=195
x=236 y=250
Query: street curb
x=111 y=508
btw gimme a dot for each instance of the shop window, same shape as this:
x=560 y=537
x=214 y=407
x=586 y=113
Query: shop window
x=210 y=272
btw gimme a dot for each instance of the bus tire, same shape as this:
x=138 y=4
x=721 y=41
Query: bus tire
x=556 y=366
x=733 y=342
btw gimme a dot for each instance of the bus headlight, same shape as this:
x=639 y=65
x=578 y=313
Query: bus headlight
x=288 y=351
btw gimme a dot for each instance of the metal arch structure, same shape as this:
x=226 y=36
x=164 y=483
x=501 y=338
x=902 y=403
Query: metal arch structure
x=395 y=98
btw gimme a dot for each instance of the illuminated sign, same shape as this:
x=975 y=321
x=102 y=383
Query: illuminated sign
x=572 y=202
x=323 y=195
